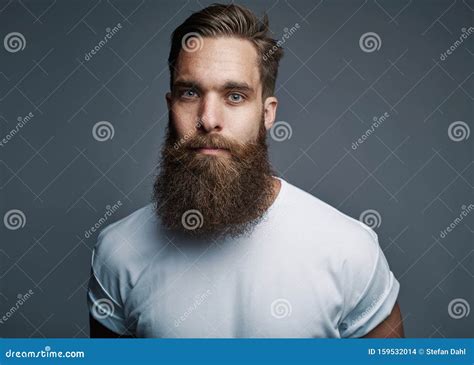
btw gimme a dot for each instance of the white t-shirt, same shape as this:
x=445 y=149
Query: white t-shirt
x=307 y=270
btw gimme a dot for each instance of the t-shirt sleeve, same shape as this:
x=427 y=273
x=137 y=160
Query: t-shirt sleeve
x=371 y=288
x=104 y=295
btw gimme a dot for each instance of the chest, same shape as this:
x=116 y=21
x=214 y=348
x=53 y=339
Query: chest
x=248 y=296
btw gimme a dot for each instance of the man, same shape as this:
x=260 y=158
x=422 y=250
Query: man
x=227 y=249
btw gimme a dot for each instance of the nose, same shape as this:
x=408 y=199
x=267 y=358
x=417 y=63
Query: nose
x=210 y=114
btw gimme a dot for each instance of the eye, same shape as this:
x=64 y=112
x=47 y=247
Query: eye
x=188 y=93
x=236 y=98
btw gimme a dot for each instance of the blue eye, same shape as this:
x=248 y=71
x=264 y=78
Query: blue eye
x=236 y=98
x=189 y=93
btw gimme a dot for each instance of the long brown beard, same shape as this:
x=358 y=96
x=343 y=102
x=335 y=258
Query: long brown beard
x=207 y=195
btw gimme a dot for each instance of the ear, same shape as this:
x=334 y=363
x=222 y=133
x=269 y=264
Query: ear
x=269 y=109
x=168 y=100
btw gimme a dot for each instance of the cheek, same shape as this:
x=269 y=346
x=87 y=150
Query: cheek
x=183 y=121
x=245 y=126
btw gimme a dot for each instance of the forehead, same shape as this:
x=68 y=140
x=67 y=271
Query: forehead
x=219 y=60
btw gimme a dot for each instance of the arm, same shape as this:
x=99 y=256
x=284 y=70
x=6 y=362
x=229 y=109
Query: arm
x=391 y=327
x=99 y=331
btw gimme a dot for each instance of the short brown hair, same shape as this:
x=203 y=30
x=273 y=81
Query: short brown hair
x=231 y=20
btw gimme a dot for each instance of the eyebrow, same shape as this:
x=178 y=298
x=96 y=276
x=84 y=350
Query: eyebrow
x=238 y=86
x=228 y=85
x=185 y=83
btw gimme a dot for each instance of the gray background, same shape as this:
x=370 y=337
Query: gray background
x=410 y=171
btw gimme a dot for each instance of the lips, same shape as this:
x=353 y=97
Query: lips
x=209 y=150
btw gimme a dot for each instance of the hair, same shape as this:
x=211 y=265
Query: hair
x=219 y=20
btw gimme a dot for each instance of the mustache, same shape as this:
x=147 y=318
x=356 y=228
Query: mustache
x=213 y=141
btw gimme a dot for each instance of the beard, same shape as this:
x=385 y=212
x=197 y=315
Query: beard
x=213 y=195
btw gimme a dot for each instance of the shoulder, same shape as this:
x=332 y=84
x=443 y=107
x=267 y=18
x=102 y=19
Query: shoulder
x=132 y=230
x=327 y=236
x=133 y=226
x=328 y=224
x=352 y=250
x=125 y=248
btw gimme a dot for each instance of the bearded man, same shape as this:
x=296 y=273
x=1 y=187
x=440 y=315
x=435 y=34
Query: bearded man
x=227 y=248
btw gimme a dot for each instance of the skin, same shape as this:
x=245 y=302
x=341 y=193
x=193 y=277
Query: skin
x=391 y=327
x=219 y=84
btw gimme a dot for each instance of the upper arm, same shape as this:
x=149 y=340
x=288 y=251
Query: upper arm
x=108 y=285
x=97 y=330
x=391 y=327
x=370 y=289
